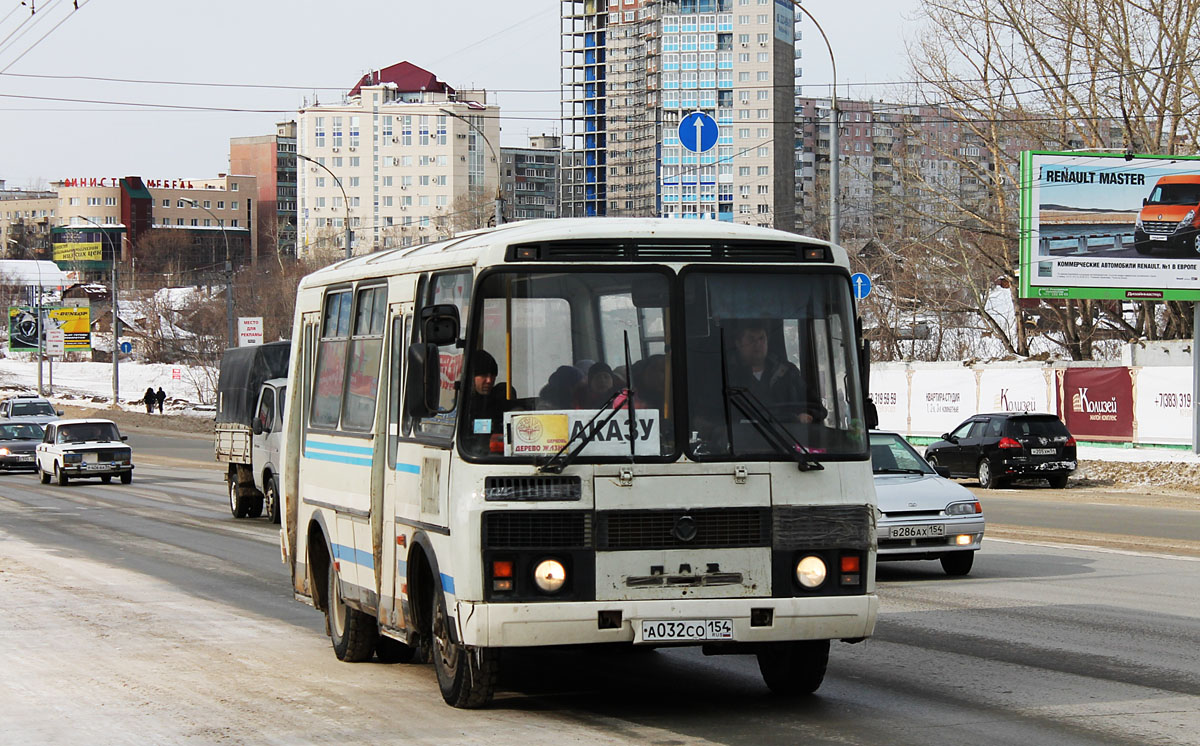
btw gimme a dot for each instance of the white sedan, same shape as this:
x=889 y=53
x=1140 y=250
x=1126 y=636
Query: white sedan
x=84 y=448
x=923 y=515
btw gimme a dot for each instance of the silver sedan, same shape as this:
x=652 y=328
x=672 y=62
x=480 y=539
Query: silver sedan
x=923 y=515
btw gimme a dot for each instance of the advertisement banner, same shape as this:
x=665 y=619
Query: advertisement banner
x=1097 y=225
x=544 y=433
x=78 y=252
x=23 y=327
x=1164 y=404
x=1097 y=403
x=940 y=400
x=1016 y=390
x=889 y=391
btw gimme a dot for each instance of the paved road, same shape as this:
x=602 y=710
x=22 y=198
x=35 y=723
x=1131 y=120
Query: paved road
x=147 y=614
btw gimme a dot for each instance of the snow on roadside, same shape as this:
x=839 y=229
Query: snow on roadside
x=187 y=388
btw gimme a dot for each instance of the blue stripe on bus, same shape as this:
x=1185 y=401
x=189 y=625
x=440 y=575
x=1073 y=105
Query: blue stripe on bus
x=360 y=450
x=351 y=460
x=343 y=553
x=408 y=468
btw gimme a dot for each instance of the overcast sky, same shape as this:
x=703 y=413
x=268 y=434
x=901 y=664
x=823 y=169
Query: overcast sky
x=296 y=50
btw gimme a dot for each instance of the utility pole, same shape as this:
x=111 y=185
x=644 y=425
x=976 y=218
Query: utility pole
x=835 y=151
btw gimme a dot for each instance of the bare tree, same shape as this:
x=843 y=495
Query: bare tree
x=1057 y=74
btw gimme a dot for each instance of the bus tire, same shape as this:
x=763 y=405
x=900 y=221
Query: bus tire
x=466 y=676
x=352 y=632
x=794 y=668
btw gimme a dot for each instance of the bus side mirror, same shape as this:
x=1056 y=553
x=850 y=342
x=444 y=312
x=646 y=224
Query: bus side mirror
x=422 y=389
x=440 y=324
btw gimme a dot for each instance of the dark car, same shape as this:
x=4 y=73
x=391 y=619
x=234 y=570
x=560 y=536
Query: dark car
x=999 y=447
x=18 y=441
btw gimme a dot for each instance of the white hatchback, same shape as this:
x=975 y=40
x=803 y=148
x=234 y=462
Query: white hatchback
x=923 y=515
x=91 y=448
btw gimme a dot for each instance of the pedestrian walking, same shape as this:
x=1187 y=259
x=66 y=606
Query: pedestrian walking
x=150 y=399
x=160 y=397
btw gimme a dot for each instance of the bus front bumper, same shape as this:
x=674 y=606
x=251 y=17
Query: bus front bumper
x=587 y=622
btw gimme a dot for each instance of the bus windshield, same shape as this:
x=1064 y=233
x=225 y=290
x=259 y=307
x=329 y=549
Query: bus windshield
x=770 y=365
x=553 y=353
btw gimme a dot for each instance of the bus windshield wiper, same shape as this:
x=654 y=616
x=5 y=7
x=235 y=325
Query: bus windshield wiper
x=562 y=459
x=774 y=431
x=900 y=471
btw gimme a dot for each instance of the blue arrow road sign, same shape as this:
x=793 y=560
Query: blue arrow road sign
x=126 y=347
x=698 y=132
x=862 y=285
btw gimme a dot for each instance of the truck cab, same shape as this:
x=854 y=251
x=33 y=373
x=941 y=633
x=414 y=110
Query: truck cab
x=266 y=443
x=1170 y=216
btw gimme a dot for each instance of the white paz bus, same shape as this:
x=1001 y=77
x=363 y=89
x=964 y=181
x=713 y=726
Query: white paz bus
x=625 y=431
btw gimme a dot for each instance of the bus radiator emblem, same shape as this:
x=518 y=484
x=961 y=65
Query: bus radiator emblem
x=685 y=528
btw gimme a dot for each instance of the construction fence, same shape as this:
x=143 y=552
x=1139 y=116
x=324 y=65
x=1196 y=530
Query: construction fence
x=1146 y=405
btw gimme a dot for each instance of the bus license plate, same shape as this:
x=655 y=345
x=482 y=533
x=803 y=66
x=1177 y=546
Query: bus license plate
x=917 y=532
x=687 y=630
x=1043 y=451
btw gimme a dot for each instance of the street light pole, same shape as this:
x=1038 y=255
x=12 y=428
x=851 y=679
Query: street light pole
x=496 y=158
x=228 y=270
x=345 y=199
x=116 y=321
x=835 y=217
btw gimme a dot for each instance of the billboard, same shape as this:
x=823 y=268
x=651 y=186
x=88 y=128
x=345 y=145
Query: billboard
x=23 y=327
x=1097 y=225
x=1097 y=403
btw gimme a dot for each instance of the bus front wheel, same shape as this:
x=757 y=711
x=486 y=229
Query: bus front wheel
x=466 y=676
x=792 y=668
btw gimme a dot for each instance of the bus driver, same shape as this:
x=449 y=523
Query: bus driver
x=776 y=383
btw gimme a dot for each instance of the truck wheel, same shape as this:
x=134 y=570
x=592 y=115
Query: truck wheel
x=466 y=676
x=255 y=508
x=352 y=632
x=793 y=668
x=60 y=476
x=238 y=505
x=271 y=498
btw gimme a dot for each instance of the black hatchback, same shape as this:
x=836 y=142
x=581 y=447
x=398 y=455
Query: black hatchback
x=999 y=447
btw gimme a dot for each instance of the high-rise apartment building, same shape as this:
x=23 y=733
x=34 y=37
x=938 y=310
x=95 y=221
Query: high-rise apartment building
x=272 y=160
x=633 y=69
x=530 y=179
x=411 y=155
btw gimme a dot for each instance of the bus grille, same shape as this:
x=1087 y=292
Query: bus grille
x=532 y=488
x=540 y=529
x=823 y=526
x=664 y=529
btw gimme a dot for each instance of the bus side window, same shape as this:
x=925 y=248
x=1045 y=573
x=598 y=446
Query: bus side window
x=397 y=425
x=331 y=360
x=366 y=348
x=453 y=287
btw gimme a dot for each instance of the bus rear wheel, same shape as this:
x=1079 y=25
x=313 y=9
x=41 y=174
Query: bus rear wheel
x=794 y=668
x=352 y=632
x=466 y=676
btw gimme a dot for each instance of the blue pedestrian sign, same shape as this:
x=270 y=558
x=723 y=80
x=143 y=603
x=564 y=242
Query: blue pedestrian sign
x=862 y=285
x=698 y=132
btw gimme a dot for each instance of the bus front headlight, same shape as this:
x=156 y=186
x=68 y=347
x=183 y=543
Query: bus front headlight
x=550 y=575
x=811 y=571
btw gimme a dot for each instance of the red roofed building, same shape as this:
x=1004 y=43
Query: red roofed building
x=414 y=161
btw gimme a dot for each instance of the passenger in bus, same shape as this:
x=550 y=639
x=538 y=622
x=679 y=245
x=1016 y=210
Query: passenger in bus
x=776 y=383
x=487 y=402
x=562 y=390
x=649 y=384
x=600 y=385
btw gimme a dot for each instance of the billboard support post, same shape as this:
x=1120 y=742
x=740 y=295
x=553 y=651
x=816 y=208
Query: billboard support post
x=1195 y=378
